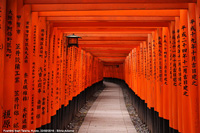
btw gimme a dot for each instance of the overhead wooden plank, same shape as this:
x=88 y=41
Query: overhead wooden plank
x=104 y=1
x=108 y=29
x=113 y=38
x=109 y=6
x=109 y=42
x=111 y=57
x=105 y=48
x=112 y=24
x=105 y=18
x=112 y=60
x=108 y=51
x=112 y=63
x=143 y=13
x=109 y=34
x=109 y=45
x=110 y=54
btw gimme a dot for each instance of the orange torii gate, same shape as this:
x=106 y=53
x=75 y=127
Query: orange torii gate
x=151 y=45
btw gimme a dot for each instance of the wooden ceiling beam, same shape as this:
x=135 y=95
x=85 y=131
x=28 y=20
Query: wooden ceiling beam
x=111 y=57
x=109 y=34
x=109 y=6
x=113 y=38
x=152 y=13
x=97 y=51
x=109 y=42
x=112 y=63
x=110 y=54
x=85 y=32
x=104 y=1
x=108 y=46
x=111 y=60
x=112 y=24
x=105 y=48
x=111 y=18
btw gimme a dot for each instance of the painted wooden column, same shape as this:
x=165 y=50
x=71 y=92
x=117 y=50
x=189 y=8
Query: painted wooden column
x=81 y=71
x=9 y=65
x=170 y=75
x=184 y=47
x=56 y=70
x=198 y=47
x=84 y=69
x=66 y=72
x=149 y=85
x=85 y=73
x=26 y=95
x=193 y=74
x=40 y=40
x=75 y=72
x=141 y=72
x=165 y=68
x=135 y=68
x=174 y=78
x=33 y=80
x=18 y=66
x=132 y=70
x=63 y=66
x=145 y=70
x=52 y=68
x=179 y=78
x=160 y=73
x=44 y=48
x=154 y=36
x=2 y=50
x=48 y=100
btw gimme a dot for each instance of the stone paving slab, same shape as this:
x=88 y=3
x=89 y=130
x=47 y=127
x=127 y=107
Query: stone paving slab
x=108 y=114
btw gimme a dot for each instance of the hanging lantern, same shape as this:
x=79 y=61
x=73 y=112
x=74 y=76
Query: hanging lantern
x=73 y=40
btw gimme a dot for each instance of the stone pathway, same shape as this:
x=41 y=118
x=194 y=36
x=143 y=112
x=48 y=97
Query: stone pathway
x=108 y=114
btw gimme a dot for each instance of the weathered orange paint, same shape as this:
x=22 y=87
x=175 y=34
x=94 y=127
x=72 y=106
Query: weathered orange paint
x=141 y=43
x=105 y=1
x=192 y=48
x=179 y=78
x=18 y=70
x=9 y=67
x=186 y=114
x=122 y=6
x=145 y=70
x=2 y=50
x=174 y=91
x=198 y=47
x=165 y=71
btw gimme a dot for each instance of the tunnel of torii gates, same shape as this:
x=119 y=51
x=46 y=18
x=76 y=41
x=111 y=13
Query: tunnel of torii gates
x=152 y=45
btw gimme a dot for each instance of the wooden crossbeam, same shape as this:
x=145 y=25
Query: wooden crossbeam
x=167 y=13
x=109 y=6
x=104 y=1
x=109 y=34
x=112 y=24
x=110 y=18
x=109 y=42
x=108 y=46
x=107 y=38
